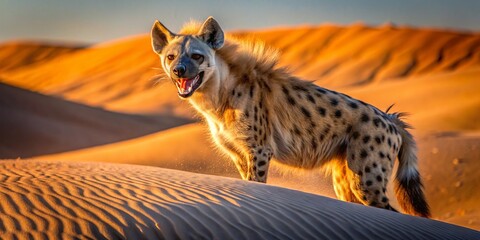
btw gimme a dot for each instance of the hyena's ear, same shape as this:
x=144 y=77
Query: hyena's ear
x=211 y=33
x=160 y=36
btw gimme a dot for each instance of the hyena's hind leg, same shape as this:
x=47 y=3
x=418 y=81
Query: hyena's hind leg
x=341 y=177
x=368 y=173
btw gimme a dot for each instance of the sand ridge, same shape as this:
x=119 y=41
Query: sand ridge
x=22 y=54
x=33 y=124
x=333 y=56
x=53 y=199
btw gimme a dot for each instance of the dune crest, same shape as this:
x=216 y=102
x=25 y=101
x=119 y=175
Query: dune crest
x=32 y=124
x=20 y=54
x=333 y=56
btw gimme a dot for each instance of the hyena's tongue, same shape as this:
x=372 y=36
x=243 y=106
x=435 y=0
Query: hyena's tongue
x=185 y=85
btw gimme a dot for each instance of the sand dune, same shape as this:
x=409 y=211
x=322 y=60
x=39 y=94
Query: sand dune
x=98 y=75
x=15 y=55
x=184 y=148
x=32 y=124
x=334 y=56
x=453 y=197
x=437 y=102
x=450 y=163
x=77 y=200
x=341 y=56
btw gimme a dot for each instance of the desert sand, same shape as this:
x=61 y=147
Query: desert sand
x=21 y=54
x=54 y=199
x=33 y=124
x=102 y=104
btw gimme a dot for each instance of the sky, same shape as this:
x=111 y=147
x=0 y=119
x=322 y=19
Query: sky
x=93 y=21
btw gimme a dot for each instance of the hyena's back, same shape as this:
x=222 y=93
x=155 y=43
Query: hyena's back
x=311 y=125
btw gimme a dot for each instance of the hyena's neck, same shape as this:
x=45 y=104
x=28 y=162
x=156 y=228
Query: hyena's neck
x=213 y=98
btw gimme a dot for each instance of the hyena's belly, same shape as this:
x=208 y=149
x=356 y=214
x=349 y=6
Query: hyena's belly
x=301 y=151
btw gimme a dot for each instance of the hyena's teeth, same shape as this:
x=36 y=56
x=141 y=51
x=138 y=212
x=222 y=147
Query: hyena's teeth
x=185 y=85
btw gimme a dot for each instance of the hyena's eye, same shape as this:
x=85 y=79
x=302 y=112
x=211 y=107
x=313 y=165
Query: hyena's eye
x=170 y=57
x=196 y=56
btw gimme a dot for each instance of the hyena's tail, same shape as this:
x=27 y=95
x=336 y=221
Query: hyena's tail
x=408 y=185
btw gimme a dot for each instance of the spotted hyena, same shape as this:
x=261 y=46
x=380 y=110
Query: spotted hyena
x=258 y=111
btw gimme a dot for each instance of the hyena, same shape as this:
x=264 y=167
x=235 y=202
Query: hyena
x=257 y=111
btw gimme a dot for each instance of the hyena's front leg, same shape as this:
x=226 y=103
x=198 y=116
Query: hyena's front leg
x=235 y=153
x=242 y=166
x=258 y=162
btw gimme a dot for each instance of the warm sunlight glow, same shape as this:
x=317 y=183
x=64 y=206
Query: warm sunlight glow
x=96 y=143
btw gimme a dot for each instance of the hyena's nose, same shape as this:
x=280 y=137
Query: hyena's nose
x=179 y=70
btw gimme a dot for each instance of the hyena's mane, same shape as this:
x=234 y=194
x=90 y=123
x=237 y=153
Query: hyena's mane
x=246 y=56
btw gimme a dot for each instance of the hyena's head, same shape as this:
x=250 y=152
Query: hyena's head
x=189 y=60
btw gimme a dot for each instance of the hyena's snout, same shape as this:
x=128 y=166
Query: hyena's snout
x=179 y=70
x=187 y=77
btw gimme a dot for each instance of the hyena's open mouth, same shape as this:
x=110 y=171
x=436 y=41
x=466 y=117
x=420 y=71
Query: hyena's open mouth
x=186 y=86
